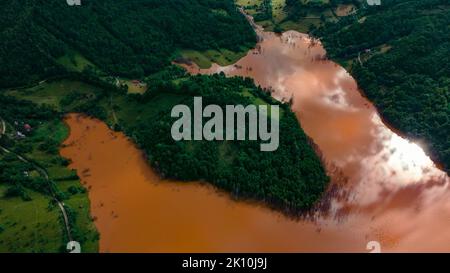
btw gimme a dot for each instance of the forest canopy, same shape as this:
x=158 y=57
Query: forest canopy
x=291 y=178
x=130 y=38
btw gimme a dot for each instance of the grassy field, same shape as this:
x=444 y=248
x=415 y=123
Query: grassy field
x=51 y=93
x=74 y=61
x=36 y=225
x=278 y=11
x=29 y=226
x=281 y=21
x=130 y=112
x=221 y=57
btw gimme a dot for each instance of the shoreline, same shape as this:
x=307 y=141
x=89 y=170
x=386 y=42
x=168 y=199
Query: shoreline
x=288 y=214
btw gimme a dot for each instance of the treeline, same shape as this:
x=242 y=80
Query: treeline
x=291 y=178
x=130 y=38
x=265 y=11
x=405 y=49
x=13 y=110
x=13 y=173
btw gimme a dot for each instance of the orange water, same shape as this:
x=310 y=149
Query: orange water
x=378 y=175
x=385 y=188
x=136 y=211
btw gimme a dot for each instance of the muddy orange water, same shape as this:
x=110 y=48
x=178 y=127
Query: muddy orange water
x=385 y=188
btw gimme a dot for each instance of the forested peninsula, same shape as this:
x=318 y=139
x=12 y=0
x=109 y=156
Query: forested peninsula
x=57 y=59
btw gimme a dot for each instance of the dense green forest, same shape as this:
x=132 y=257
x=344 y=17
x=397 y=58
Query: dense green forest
x=291 y=178
x=399 y=53
x=130 y=38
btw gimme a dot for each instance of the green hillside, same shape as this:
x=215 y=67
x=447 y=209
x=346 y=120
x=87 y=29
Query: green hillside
x=130 y=38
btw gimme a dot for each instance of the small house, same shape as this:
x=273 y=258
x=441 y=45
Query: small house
x=27 y=127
